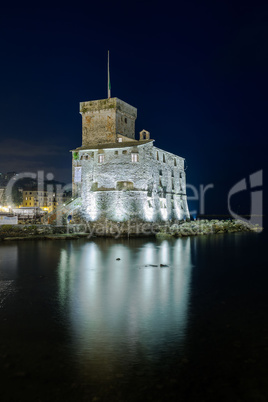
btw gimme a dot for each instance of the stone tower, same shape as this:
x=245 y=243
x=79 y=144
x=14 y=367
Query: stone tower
x=107 y=121
x=121 y=178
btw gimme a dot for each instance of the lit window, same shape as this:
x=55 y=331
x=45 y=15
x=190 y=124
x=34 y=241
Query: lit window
x=120 y=139
x=101 y=158
x=134 y=157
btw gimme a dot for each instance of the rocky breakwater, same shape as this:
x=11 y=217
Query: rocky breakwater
x=43 y=232
x=206 y=227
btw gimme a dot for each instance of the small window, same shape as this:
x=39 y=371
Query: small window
x=124 y=152
x=120 y=139
x=77 y=175
x=26 y=198
x=125 y=120
x=164 y=158
x=135 y=157
x=172 y=173
x=175 y=162
x=157 y=156
x=180 y=175
x=116 y=152
x=172 y=184
x=101 y=158
x=160 y=172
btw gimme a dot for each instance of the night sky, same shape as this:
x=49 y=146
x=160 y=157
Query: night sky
x=196 y=71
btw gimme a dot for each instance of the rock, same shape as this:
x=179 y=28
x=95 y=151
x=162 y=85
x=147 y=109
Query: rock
x=118 y=259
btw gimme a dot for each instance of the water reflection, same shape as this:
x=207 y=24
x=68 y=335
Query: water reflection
x=8 y=270
x=126 y=307
x=8 y=260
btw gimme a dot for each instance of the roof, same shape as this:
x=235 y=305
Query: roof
x=113 y=145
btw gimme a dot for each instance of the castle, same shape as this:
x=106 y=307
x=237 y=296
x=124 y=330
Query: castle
x=119 y=177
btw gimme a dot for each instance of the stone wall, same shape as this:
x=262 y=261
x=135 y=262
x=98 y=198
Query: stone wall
x=153 y=188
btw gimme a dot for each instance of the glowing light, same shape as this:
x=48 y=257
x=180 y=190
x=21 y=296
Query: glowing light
x=163 y=208
x=148 y=209
x=178 y=210
x=120 y=212
x=92 y=209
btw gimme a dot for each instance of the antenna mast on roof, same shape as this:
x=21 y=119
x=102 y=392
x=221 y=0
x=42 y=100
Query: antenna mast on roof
x=109 y=82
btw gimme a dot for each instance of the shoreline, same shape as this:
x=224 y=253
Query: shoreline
x=124 y=230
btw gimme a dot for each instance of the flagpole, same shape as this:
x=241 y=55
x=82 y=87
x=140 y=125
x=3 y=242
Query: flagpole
x=109 y=82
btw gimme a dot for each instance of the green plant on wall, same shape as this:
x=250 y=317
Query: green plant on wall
x=76 y=156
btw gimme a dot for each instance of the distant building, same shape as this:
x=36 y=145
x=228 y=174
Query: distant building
x=119 y=177
x=28 y=212
x=46 y=200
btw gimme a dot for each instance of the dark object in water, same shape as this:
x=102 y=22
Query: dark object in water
x=118 y=259
x=163 y=266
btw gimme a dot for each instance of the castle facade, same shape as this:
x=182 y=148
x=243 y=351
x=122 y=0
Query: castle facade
x=119 y=177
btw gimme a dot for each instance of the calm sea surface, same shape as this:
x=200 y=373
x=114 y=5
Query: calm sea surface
x=76 y=324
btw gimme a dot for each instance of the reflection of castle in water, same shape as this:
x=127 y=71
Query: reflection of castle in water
x=124 y=305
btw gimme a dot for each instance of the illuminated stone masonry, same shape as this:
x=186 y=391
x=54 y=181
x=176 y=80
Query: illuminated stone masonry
x=120 y=178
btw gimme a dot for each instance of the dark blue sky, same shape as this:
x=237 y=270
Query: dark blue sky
x=196 y=71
